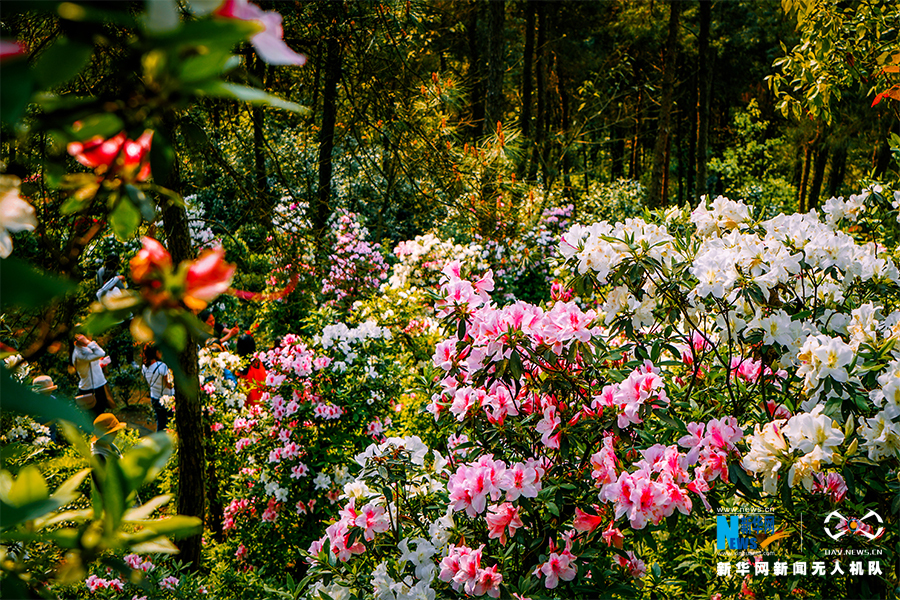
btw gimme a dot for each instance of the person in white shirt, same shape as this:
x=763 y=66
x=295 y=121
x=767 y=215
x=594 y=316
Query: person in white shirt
x=91 y=380
x=157 y=375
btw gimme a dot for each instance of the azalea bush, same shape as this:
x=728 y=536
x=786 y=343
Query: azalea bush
x=281 y=458
x=724 y=361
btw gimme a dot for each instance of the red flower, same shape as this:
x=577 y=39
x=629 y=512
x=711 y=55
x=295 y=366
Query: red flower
x=269 y=42
x=148 y=264
x=129 y=159
x=10 y=50
x=207 y=277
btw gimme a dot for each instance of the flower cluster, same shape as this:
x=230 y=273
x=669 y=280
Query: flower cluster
x=777 y=443
x=357 y=266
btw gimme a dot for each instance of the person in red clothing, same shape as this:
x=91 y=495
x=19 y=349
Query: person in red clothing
x=254 y=375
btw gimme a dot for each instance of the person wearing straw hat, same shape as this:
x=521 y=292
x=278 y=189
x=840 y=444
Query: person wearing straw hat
x=43 y=384
x=106 y=428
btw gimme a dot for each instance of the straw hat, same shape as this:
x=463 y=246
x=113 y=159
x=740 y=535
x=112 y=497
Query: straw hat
x=43 y=384
x=106 y=424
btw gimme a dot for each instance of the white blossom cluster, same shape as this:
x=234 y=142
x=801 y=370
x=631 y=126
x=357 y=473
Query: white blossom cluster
x=430 y=253
x=213 y=368
x=804 y=443
x=27 y=430
x=342 y=337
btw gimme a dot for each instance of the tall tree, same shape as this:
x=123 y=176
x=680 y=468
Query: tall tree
x=656 y=194
x=704 y=90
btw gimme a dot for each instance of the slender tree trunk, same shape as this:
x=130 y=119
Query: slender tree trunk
x=882 y=155
x=476 y=74
x=704 y=89
x=818 y=176
x=656 y=193
x=802 y=206
x=690 y=170
x=264 y=205
x=838 y=170
x=633 y=163
x=527 y=67
x=495 y=56
x=188 y=420
x=321 y=208
x=564 y=126
x=540 y=66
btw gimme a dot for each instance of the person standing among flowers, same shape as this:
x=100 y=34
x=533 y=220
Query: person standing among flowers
x=157 y=375
x=253 y=375
x=91 y=380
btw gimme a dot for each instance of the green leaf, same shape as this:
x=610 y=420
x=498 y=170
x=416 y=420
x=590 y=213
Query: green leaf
x=16 y=90
x=252 y=95
x=101 y=124
x=28 y=487
x=114 y=495
x=162 y=158
x=125 y=219
x=739 y=477
x=176 y=527
x=20 y=399
x=146 y=509
x=139 y=199
x=24 y=286
x=62 y=61
x=145 y=460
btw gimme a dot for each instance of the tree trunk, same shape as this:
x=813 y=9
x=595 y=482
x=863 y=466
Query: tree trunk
x=815 y=186
x=321 y=208
x=476 y=75
x=802 y=206
x=656 y=194
x=527 y=67
x=838 y=170
x=495 y=57
x=188 y=420
x=564 y=127
x=540 y=89
x=691 y=167
x=704 y=89
x=882 y=157
x=264 y=204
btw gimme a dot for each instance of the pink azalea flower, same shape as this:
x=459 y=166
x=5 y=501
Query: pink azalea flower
x=269 y=42
x=501 y=517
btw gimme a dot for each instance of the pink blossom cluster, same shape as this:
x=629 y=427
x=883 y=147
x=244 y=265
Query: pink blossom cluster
x=749 y=371
x=461 y=568
x=559 y=565
x=328 y=411
x=294 y=356
x=632 y=564
x=270 y=514
x=832 y=485
x=459 y=294
x=169 y=583
x=95 y=583
x=135 y=562
x=357 y=266
x=643 y=387
x=234 y=508
x=472 y=484
x=660 y=483
x=371 y=519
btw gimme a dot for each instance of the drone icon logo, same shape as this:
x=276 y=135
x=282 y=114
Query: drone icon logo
x=853 y=525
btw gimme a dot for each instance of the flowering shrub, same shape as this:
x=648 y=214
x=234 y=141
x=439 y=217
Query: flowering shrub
x=356 y=266
x=324 y=399
x=715 y=352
